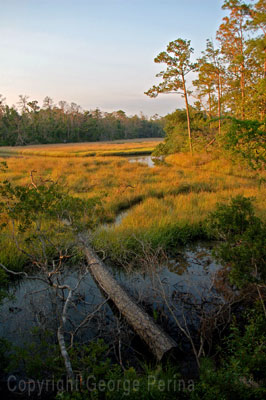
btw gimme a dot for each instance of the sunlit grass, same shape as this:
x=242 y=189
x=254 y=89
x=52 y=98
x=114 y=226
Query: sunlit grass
x=167 y=204
x=141 y=146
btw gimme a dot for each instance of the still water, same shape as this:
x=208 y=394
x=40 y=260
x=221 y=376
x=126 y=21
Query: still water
x=149 y=160
x=32 y=304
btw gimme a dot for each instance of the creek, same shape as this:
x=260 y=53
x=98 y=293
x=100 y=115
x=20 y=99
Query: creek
x=151 y=161
x=173 y=288
x=31 y=303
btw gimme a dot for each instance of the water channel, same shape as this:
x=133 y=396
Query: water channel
x=31 y=302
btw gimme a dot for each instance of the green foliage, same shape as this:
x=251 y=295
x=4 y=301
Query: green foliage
x=91 y=359
x=38 y=359
x=40 y=223
x=9 y=254
x=208 y=85
x=230 y=82
x=103 y=380
x=3 y=166
x=27 y=205
x=243 y=249
x=228 y=221
x=176 y=128
x=32 y=208
x=240 y=374
x=68 y=123
x=248 y=139
x=178 y=64
x=5 y=347
x=123 y=246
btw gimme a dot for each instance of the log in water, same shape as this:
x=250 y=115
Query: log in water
x=159 y=343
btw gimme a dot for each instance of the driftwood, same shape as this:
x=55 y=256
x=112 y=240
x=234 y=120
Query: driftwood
x=159 y=343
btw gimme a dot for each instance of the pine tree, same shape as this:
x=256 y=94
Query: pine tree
x=232 y=37
x=177 y=59
x=210 y=79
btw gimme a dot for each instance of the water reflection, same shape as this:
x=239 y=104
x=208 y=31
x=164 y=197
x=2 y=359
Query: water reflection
x=32 y=303
x=151 y=161
x=191 y=275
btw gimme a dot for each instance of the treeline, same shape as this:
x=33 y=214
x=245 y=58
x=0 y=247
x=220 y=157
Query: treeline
x=62 y=123
x=232 y=77
x=230 y=82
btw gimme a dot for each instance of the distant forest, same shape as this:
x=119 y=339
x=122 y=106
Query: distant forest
x=63 y=123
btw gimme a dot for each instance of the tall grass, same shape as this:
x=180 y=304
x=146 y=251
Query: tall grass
x=169 y=202
x=104 y=149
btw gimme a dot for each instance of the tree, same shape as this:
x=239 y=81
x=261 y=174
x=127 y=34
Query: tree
x=258 y=21
x=247 y=139
x=175 y=128
x=177 y=59
x=231 y=35
x=23 y=103
x=256 y=49
x=48 y=103
x=68 y=123
x=205 y=87
x=210 y=79
x=2 y=104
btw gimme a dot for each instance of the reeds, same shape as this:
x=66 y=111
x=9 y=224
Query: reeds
x=167 y=204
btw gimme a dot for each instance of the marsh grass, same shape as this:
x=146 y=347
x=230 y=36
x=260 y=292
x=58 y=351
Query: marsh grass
x=167 y=204
x=9 y=254
x=104 y=149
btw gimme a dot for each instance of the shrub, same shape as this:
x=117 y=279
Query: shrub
x=246 y=138
x=241 y=373
x=243 y=249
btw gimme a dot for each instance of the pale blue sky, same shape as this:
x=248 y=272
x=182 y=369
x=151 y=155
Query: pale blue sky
x=97 y=53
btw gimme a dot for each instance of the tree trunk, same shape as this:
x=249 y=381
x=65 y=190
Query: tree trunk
x=219 y=102
x=64 y=352
x=159 y=343
x=242 y=75
x=210 y=104
x=61 y=335
x=242 y=83
x=264 y=66
x=188 y=116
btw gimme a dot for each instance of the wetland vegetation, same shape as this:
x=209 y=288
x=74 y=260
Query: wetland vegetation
x=143 y=221
x=179 y=222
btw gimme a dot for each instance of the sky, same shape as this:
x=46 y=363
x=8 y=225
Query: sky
x=97 y=53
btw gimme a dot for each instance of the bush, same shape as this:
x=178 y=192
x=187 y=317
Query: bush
x=243 y=249
x=247 y=140
x=241 y=373
x=176 y=139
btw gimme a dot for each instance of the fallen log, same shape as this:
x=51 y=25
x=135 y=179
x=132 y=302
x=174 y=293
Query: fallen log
x=159 y=342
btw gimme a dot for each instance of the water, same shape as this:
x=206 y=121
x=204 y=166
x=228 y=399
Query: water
x=151 y=161
x=117 y=221
x=119 y=218
x=34 y=304
x=10 y=155
x=190 y=277
x=161 y=286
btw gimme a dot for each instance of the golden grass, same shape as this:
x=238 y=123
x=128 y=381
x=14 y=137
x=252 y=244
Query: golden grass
x=163 y=199
x=127 y=147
